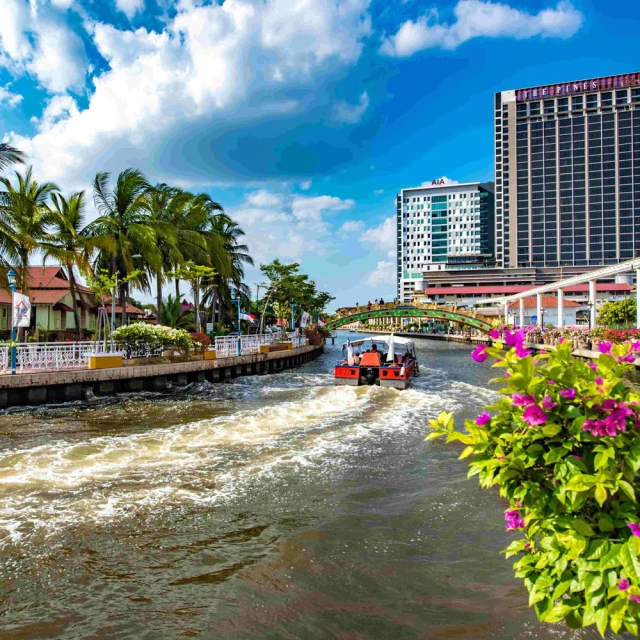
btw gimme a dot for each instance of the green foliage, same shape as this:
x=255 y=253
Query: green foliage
x=618 y=314
x=174 y=316
x=141 y=335
x=287 y=285
x=569 y=468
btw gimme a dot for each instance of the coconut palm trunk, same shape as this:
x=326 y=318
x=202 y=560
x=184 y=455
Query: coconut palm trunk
x=159 y=295
x=123 y=304
x=74 y=296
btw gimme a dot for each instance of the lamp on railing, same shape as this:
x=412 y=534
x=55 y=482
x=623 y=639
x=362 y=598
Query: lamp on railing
x=12 y=279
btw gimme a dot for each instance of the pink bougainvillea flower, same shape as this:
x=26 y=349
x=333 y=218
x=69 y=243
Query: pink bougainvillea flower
x=507 y=374
x=483 y=418
x=548 y=403
x=521 y=400
x=551 y=381
x=635 y=598
x=521 y=352
x=526 y=546
x=569 y=394
x=513 y=520
x=495 y=334
x=635 y=346
x=533 y=415
x=599 y=381
x=623 y=585
x=605 y=347
x=479 y=354
x=635 y=529
x=510 y=338
x=593 y=365
x=630 y=358
x=577 y=457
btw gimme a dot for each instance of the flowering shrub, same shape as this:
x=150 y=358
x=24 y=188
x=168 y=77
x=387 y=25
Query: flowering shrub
x=141 y=336
x=201 y=341
x=563 y=446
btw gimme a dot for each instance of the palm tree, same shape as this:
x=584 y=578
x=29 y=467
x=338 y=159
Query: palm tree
x=176 y=216
x=174 y=316
x=238 y=256
x=124 y=217
x=24 y=216
x=9 y=155
x=69 y=245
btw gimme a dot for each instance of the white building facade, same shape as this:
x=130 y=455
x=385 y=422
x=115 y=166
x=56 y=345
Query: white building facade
x=442 y=225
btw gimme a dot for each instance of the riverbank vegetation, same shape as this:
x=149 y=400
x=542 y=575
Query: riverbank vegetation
x=158 y=232
x=562 y=444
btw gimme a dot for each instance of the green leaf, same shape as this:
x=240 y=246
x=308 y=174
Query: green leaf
x=602 y=618
x=592 y=582
x=630 y=563
x=612 y=559
x=627 y=489
x=581 y=482
x=605 y=523
x=583 y=528
x=551 y=430
x=555 y=454
x=561 y=589
x=601 y=494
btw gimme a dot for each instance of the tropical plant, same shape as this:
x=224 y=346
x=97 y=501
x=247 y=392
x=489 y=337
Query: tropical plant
x=618 y=314
x=24 y=216
x=69 y=245
x=149 y=338
x=10 y=155
x=124 y=216
x=174 y=315
x=563 y=446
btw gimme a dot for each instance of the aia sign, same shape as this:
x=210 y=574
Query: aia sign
x=439 y=181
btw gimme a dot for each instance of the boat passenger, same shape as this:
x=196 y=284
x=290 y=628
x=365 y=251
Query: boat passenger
x=356 y=358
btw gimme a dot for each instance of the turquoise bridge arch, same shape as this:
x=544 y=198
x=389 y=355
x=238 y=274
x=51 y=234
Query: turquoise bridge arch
x=413 y=312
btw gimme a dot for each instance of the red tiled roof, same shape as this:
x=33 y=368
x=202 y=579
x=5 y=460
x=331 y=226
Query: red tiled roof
x=547 y=301
x=131 y=309
x=509 y=289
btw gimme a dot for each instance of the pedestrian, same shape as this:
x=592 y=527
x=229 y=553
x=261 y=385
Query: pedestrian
x=369 y=305
x=381 y=301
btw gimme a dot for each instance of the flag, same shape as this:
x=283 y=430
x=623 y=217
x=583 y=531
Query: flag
x=320 y=322
x=304 y=320
x=21 y=310
x=350 y=358
x=249 y=317
x=392 y=354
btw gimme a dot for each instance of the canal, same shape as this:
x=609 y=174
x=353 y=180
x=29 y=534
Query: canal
x=269 y=507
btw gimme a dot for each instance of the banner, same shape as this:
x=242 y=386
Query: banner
x=21 y=310
x=304 y=322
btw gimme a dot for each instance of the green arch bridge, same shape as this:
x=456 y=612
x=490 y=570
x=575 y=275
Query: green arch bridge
x=413 y=312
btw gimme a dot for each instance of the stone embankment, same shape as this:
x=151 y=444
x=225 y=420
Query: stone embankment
x=70 y=385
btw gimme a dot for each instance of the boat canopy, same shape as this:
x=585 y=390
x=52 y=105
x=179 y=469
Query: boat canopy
x=386 y=339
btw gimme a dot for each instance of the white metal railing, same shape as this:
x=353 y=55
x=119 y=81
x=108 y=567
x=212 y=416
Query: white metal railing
x=48 y=355
x=226 y=346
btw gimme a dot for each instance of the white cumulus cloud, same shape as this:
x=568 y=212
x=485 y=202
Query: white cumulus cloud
x=385 y=273
x=264 y=198
x=211 y=66
x=481 y=18
x=383 y=237
x=36 y=40
x=351 y=113
x=130 y=7
x=8 y=97
x=351 y=229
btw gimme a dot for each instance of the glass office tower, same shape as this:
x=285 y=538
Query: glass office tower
x=567 y=162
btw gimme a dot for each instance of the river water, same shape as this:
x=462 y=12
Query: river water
x=270 y=507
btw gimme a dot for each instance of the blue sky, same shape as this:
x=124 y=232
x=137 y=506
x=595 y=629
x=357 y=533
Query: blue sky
x=302 y=117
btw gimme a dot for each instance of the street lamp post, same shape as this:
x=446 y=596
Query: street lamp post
x=12 y=280
x=293 y=316
x=237 y=302
x=542 y=318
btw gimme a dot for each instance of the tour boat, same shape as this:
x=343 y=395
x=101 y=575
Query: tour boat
x=383 y=360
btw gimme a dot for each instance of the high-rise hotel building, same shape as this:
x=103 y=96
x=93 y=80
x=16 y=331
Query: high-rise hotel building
x=567 y=173
x=442 y=225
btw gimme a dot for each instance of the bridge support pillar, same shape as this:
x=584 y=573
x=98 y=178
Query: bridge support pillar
x=560 y=308
x=592 y=303
x=521 y=301
x=539 y=309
